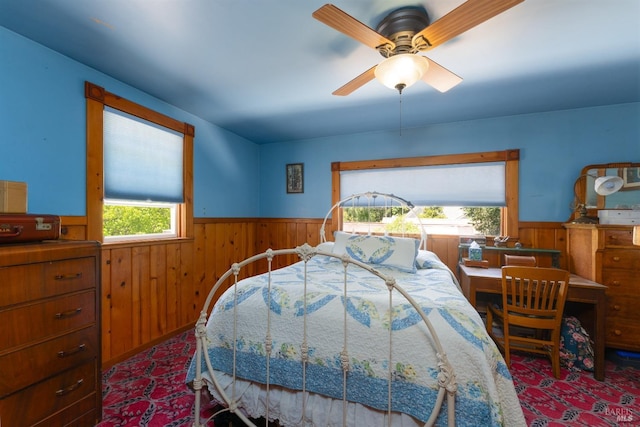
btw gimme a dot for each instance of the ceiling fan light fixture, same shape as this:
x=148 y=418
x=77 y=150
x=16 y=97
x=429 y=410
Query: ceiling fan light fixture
x=401 y=71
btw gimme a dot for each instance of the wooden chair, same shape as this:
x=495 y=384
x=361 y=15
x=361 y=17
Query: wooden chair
x=531 y=315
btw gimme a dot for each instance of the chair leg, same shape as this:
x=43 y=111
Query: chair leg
x=555 y=361
x=507 y=350
x=489 y=321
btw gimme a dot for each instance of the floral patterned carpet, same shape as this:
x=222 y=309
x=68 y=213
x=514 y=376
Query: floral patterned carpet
x=149 y=390
x=577 y=399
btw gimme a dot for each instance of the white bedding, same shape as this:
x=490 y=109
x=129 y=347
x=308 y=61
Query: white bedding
x=485 y=396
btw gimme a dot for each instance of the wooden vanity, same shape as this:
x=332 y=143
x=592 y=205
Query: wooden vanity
x=606 y=254
x=603 y=251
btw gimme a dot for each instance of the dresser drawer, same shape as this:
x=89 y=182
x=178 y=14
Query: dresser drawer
x=623 y=334
x=31 y=323
x=22 y=368
x=35 y=403
x=621 y=309
x=618 y=237
x=81 y=414
x=621 y=282
x=24 y=283
x=621 y=258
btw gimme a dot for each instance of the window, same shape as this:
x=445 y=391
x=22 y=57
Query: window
x=485 y=181
x=132 y=220
x=139 y=171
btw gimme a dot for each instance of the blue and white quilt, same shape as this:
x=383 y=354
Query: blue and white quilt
x=485 y=396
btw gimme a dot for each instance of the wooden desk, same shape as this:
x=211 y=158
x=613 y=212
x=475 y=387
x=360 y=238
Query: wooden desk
x=489 y=280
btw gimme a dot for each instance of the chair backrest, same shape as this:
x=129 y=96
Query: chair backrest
x=526 y=260
x=534 y=296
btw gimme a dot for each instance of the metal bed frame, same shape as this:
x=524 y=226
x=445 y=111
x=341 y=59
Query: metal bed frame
x=447 y=386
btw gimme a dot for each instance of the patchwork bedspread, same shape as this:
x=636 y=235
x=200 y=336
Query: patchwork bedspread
x=486 y=394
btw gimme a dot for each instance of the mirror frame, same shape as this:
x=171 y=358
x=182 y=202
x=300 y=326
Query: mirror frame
x=580 y=186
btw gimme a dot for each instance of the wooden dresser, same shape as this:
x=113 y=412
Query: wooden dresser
x=606 y=254
x=50 y=334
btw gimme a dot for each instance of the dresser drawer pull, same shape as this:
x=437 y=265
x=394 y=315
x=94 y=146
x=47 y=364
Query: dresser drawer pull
x=64 y=391
x=80 y=348
x=616 y=307
x=68 y=313
x=615 y=283
x=616 y=258
x=618 y=332
x=68 y=276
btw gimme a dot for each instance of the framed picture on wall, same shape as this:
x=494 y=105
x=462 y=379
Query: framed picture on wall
x=295 y=178
x=630 y=178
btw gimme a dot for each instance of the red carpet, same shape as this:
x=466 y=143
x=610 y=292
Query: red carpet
x=577 y=399
x=149 y=390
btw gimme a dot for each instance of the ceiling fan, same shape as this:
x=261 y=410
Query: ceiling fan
x=405 y=32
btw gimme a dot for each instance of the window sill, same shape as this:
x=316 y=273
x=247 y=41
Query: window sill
x=146 y=242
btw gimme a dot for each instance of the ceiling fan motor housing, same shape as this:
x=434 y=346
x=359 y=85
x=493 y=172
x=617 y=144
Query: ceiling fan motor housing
x=400 y=26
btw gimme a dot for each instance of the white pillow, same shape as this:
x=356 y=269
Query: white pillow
x=396 y=252
x=427 y=259
x=340 y=242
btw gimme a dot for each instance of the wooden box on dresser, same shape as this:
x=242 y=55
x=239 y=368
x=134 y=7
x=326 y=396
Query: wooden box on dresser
x=50 y=334
x=606 y=254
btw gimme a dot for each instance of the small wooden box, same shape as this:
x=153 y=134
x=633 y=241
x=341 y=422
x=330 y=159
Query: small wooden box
x=482 y=263
x=13 y=197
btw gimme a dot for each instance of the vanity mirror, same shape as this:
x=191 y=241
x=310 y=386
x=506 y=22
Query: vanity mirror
x=608 y=186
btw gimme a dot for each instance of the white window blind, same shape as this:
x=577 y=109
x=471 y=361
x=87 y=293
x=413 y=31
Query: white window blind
x=142 y=161
x=474 y=184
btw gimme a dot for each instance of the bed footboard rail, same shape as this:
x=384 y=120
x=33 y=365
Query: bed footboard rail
x=446 y=379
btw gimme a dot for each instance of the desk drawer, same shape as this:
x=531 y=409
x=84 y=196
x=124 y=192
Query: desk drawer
x=48 y=397
x=24 y=283
x=34 y=322
x=22 y=368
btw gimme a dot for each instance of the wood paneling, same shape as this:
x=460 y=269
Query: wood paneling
x=153 y=290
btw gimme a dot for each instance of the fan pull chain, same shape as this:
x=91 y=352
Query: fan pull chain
x=400 y=86
x=400 y=113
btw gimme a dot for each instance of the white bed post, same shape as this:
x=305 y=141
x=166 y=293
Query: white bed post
x=200 y=333
x=344 y=354
x=305 y=252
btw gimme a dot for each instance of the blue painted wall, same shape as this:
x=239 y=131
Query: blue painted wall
x=554 y=147
x=42 y=142
x=42 y=128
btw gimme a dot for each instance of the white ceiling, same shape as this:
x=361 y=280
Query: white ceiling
x=265 y=69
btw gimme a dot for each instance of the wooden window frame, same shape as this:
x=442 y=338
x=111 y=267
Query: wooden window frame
x=509 y=221
x=97 y=97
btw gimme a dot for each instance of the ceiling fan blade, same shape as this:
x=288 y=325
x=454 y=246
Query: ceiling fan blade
x=464 y=17
x=439 y=77
x=348 y=25
x=356 y=83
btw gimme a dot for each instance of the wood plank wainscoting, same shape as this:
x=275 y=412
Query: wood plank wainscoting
x=153 y=290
